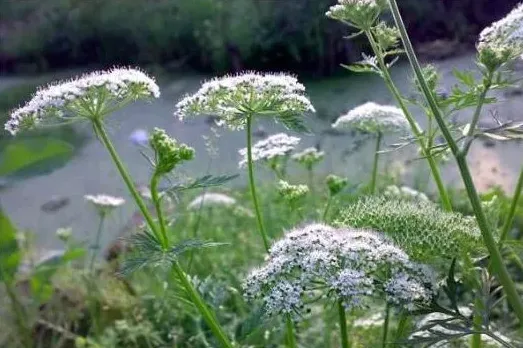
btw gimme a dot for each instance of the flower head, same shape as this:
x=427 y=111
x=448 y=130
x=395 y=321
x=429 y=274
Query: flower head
x=64 y=233
x=309 y=157
x=374 y=118
x=292 y=193
x=91 y=96
x=169 y=152
x=404 y=192
x=319 y=261
x=335 y=184
x=502 y=41
x=104 y=203
x=361 y=14
x=209 y=199
x=418 y=227
x=233 y=98
x=277 y=145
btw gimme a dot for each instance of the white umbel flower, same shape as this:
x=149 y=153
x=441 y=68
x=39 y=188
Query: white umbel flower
x=405 y=192
x=210 y=199
x=373 y=118
x=232 y=98
x=274 y=146
x=89 y=96
x=104 y=203
x=361 y=14
x=347 y=264
x=506 y=31
x=309 y=156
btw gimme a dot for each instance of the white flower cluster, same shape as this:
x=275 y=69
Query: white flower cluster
x=404 y=192
x=433 y=329
x=506 y=31
x=210 y=199
x=374 y=118
x=272 y=147
x=231 y=98
x=292 y=193
x=361 y=14
x=98 y=90
x=104 y=203
x=351 y=265
x=309 y=157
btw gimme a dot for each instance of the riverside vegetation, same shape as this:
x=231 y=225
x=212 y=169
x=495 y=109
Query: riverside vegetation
x=321 y=263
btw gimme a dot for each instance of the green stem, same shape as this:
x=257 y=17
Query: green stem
x=252 y=185
x=158 y=207
x=97 y=242
x=343 y=326
x=189 y=288
x=403 y=322
x=475 y=340
x=386 y=326
x=375 y=164
x=21 y=317
x=196 y=299
x=497 y=261
x=291 y=338
x=326 y=210
x=445 y=199
x=512 y=212
x=102 y=134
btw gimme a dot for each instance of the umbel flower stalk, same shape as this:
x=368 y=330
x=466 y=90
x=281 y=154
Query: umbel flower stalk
x=499 y=267
x=238 y=99
x=92 y=98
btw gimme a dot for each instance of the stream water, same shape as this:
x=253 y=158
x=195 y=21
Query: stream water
x=91 y=171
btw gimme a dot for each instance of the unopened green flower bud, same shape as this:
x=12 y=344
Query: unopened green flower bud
x=169 y=152
x=335 y=184
x=387 y=37
x=64 y=234
x=292 y=193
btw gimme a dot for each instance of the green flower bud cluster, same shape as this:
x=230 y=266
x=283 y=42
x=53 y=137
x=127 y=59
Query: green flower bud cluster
x=292 y=193
x=335 y=184
x=361 y=14
x=420 y=228
x=168 y=152
x=386 y=36
x=309 y=157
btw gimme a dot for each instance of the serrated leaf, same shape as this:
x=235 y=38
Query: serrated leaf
x=10 y=254
x=359 y=68
x=465 y=77
x=202 y=182
x=293 y=122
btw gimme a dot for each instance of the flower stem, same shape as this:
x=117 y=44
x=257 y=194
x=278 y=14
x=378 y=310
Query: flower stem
x=291 y=339
x=513 y=206
x=196 y=299
x=96 y=242
x=252 y=185
x=102 y=134
x=326 y=210
x=386 y=326
x=445 y=199
x=497 y=261
x=375 y=164
x=158 y=207
x=189 y=288
x=475 y=340
x=343 y=326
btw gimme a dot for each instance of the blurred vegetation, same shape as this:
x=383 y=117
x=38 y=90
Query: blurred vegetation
x=210 y=35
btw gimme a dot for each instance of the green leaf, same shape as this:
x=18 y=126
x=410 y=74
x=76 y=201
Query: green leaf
x=10 y=254
x=465 y=77
x=293 y=122
x=359 y=68
x=24 y=153
x=202 y=182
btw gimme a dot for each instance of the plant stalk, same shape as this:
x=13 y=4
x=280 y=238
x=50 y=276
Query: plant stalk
x=97 y=242
x=512 y=212
x=445 y=199
x=375 y=164
x=189 y=288
x=291 y=338
x=384 y=339
x=158 y=207
x=326 y=210
x=343 y=326
x=252 y=184
x=497 y=261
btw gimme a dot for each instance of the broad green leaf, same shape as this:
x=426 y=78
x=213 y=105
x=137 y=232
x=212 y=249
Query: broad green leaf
x=10 y=255
x=24 y=153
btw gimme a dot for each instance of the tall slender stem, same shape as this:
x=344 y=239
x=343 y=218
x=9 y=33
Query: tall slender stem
x=385 y=335
x=291 y=338
x=512 y=211
x=96 y=246
x=196 y=299
x=375 y=164
x=497 y=261
x=475 y=340
x=158 y=208
x=188 y=286
x=343 y=326
x=102 y=134
x=252 y=184
x=445 y=199
x=326 y=210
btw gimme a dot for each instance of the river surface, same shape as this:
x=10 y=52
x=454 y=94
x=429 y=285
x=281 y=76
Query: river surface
x=91 y=171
